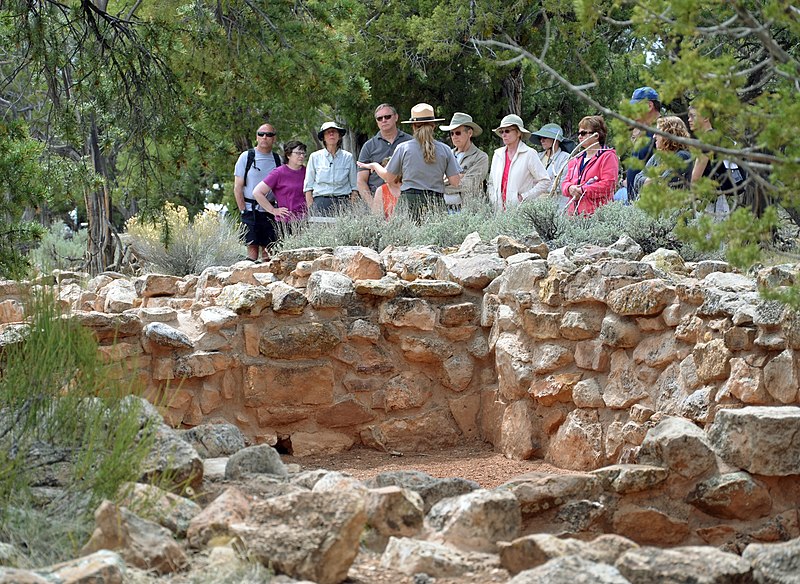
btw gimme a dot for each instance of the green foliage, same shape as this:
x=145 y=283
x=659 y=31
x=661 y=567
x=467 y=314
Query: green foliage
x=65 y=423
x=171 y=243
x=60 y=249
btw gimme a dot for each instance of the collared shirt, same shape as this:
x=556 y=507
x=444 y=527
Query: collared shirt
x=409 y=163
x=262 y=166
x=375 y=150
x=330 y=176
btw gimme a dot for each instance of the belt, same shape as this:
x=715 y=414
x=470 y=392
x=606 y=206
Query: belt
x=422 y=192
x=331 y=196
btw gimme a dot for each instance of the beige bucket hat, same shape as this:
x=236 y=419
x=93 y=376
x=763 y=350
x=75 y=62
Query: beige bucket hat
x=461 y=119
x=513 y=120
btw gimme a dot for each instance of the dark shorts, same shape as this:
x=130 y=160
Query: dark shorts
x=260 y=228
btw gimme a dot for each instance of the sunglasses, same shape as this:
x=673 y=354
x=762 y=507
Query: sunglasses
x=384 y=118
x=457 y=132
x=506 y=130
x=584 y=133
x=267 y=134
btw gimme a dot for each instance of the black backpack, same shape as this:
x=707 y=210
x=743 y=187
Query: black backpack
x=251 y=160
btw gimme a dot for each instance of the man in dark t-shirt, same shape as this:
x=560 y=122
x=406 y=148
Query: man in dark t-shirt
x=378 y=148
x=644 y=148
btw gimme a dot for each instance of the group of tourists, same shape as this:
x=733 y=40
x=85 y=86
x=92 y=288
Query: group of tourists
x=416 y=171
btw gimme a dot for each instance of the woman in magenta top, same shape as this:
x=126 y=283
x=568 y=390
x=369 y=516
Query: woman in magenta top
x=286 y=185
x=591 y=178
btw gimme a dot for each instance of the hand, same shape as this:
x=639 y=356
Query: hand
x=575 y=191
x=365 y=165
x=281 y=212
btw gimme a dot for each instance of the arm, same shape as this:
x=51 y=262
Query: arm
x=354 y=181
x=363 y=185
x=542 y=180
x=699 y=167
x=606 y=170
x=260 y=195
x=570 y=177
x=309 y=198
x=238 y=192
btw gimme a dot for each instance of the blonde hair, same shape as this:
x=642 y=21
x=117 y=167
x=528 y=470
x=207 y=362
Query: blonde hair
x=675 y=126
x=424 y=135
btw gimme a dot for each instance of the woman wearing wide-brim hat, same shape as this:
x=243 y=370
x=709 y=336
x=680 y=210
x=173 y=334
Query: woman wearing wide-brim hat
x=423 y=163
x=331 y=173
x=473 y=161
x=516 y=172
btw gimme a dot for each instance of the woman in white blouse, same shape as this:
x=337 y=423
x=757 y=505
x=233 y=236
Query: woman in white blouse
x=331 y=173
x=516 y=172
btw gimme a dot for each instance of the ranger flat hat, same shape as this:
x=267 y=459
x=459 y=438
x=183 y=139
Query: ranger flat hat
x=422 y=113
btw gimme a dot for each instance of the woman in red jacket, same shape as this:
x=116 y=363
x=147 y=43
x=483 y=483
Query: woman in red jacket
x=591 y=177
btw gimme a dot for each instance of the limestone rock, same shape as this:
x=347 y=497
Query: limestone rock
x=781 y=378
x=395 y=512
x=631 y=478
x=232 y=506
x=299 y=341
x=313 y=536
x=531 y=551
x=475 y=521
x=641 y=298
x=387 y=287
x=432 y=490
x=215 y=440
x=650 y=525
x=667 y=260
x=413 y=556
x=471 y=272
x=103 y=566
x=359 y=263
x=120 y=295
x=537 y=492
x=166 y=336
x=320 y=442
x=262 y=459
x=570 y=570
x=154 y=504
x=760 y=440
x=517 y=431
x=408 y=312
x=245 y=299
x=141 y=543
x=775 y=563
x=151 y=285
x=329 y=289
x=679 y=445
x=732 y=496
x=578 y=444
x=433 y=288
x=287 y=299
x=171 y=456
x=684 y=565
x=215 y=318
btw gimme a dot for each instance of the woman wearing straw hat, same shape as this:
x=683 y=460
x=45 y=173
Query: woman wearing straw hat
x=517 y=174
x=473 y=161
x=423 y=163
x=331 y=173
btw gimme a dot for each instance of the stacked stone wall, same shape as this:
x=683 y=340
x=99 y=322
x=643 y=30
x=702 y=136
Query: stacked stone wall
x=567 y=356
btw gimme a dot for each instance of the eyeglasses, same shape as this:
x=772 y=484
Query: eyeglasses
x=506 y=130
x=267 y=134
x=457 y=132
x=383 y=118
x=584 y=133
x=298 y=152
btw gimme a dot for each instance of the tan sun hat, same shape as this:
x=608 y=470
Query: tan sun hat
x=422 y=113
x=460 y=119
x=513 y=120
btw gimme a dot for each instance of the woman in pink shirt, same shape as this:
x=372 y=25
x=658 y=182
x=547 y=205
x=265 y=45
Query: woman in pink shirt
x=288 y=203
x=591 y=177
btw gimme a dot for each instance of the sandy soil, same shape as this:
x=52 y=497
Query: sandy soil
x=476 y=461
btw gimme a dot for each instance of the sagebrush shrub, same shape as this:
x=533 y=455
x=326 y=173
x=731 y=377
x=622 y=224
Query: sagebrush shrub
x=60 y=249
x=173 y=244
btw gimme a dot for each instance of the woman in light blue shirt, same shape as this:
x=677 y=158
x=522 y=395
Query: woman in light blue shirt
x=331 y=173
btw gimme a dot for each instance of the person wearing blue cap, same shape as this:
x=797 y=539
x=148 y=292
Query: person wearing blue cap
x=645 y=148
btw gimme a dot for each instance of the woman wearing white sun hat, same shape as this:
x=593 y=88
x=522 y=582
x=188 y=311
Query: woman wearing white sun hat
x=516 y=173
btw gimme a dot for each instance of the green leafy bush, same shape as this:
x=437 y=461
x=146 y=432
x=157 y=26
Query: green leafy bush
x=66 y=423
x=60 y=249
x=542 y=216
x=173 y=244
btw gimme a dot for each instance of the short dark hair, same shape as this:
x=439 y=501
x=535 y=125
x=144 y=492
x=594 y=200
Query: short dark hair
x=290 y=147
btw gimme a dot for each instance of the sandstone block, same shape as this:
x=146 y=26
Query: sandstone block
x=245 y=299
x=517 y=435
x=408 y=312
x=619 y=332
x=631 y=478
x=648 y=525
x=679 y=445
x=538 y=492
x=775 y=563
x=458 y=314
x=413 y=556
x=732 y=496
x=531 y=551
x=570 y=570
x=593 y=355
x=299 y=341
x=641 y=298
x=578 y=444
x=320 y=442
x=289 y=384
x=471 y=272
x=760 y=440
x=329 y=289
x=781 y=379
x=156 y=285
x=359 y=263
x=287 y=299
x=684 y=565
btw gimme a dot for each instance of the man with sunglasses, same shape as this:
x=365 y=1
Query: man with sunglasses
x=260 y=226
x=378 y=148
x=644 y=145
x=473 y=161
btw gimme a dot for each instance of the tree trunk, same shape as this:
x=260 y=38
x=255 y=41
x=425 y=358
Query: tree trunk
x=512 y=90
x=98 y=212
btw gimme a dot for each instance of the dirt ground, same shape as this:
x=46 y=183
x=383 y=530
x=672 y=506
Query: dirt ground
x=476 y=461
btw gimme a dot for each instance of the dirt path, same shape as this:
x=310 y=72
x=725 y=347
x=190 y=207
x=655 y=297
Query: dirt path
x=475 y=461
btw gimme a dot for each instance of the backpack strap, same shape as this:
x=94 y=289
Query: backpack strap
x=251 y=160
x=277 y=159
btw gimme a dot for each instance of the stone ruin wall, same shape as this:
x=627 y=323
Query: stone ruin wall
x=570 y=358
